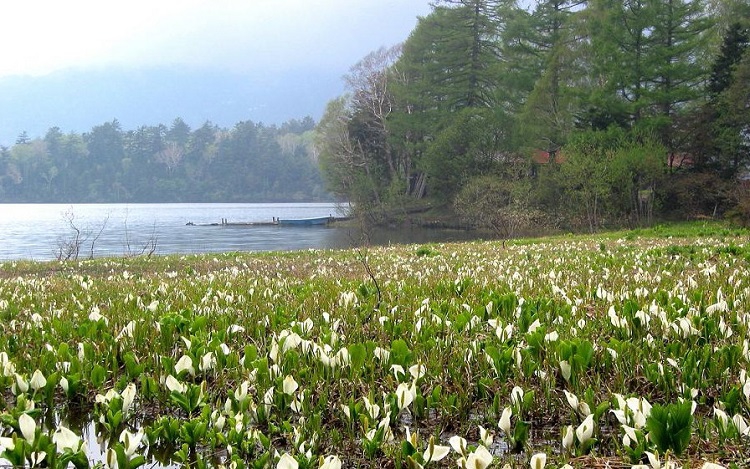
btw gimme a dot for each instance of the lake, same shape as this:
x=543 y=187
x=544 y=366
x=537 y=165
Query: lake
x=37 y=231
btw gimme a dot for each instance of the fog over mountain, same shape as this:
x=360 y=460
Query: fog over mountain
x=76 y=100
x=80 y=63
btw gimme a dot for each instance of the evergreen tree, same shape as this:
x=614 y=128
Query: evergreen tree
x=679 y=37
x=548 y=115
x=732 y=123
x=733 y=48
x=450 y=64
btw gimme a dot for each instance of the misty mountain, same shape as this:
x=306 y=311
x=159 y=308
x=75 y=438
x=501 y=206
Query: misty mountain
x=77 y=100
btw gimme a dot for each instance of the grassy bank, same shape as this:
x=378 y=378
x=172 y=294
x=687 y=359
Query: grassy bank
x=619 y=349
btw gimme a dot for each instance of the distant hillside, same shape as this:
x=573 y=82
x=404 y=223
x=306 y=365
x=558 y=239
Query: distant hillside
x=77 y=100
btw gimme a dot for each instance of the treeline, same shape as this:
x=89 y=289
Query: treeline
x=573 y=113
x=251 y=162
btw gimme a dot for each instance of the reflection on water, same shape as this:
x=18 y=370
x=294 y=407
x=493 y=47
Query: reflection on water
x=37 y=231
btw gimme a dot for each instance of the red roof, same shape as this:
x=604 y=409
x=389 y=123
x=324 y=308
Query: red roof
x=680 y=160
x=544 y=157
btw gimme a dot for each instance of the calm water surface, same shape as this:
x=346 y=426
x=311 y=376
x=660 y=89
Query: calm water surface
x=36 y=231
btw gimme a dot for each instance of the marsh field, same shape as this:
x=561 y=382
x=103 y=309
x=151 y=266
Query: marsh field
x=618 y=350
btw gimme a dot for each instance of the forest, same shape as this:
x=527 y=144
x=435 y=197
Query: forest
x=250 y=162
x=571 y=114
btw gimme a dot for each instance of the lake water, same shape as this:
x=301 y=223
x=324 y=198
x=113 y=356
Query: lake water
x=36 y=231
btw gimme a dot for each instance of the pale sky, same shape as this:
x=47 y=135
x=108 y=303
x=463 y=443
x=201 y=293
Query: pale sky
x=41 y=36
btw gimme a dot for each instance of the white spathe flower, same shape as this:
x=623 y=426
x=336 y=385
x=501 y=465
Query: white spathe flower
x=65 y=438
x=268 y=399
x=516 y=396
x=342 y=357
x=330 y=462
x=28 y=427
x=417 y=371
x=111 y=458
x=405 y=395
x=620 y=415
x=485 y=437
x=435 y=452
x=382 y=354
x=126 y=331
x=208 y=362
x=458 y=444
x=653 y=459
x=373 y=410
x=38 y=381
x=21 y=384
x=630 y=434
x=585 y=430
x=572 y=400
x=568 y=437
x=220 y=422
x=504 y=423
x=289 y=385
x=565 y=369
x=240 y=394
x=174 y=385
x=412 y=438
x=153 y=306
x=64 y=384
x=479 y=459
x=538 y=461
x=6 y=443
x=712 y=465
x=95 y=316
x=131 y=441
x=741 y=424
x=397 y=370
x=37 y=457
x=128 y=396
x=185 y=363
x=107 y=397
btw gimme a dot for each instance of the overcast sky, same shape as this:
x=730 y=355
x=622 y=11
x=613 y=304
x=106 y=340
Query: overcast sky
x=41 y=36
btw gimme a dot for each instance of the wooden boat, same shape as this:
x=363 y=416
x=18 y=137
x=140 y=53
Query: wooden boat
x=304 y=221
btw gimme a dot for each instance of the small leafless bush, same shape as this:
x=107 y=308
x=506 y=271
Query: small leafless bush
x=83 y=239
x=70 y=247
x=144 y=247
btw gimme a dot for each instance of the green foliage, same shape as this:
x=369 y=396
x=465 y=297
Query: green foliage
x=465 y=148
x=612 y=172
x=428 y=251
x=400 y=353
x=250 y=162
x=670 y=426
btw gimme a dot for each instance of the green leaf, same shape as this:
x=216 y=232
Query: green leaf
x=357 y=354
x=670 y=426
x=400 y=353
x=520 y=434
x=98 y=376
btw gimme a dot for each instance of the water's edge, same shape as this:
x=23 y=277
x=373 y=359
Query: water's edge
x=50 y=231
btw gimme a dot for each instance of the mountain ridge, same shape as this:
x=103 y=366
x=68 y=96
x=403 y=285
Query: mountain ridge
x=75 y=100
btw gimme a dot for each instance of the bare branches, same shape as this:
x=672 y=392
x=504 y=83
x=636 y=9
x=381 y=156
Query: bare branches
x=369 y=80
x=84 y=238
x=171 y=156
x=69 y=248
